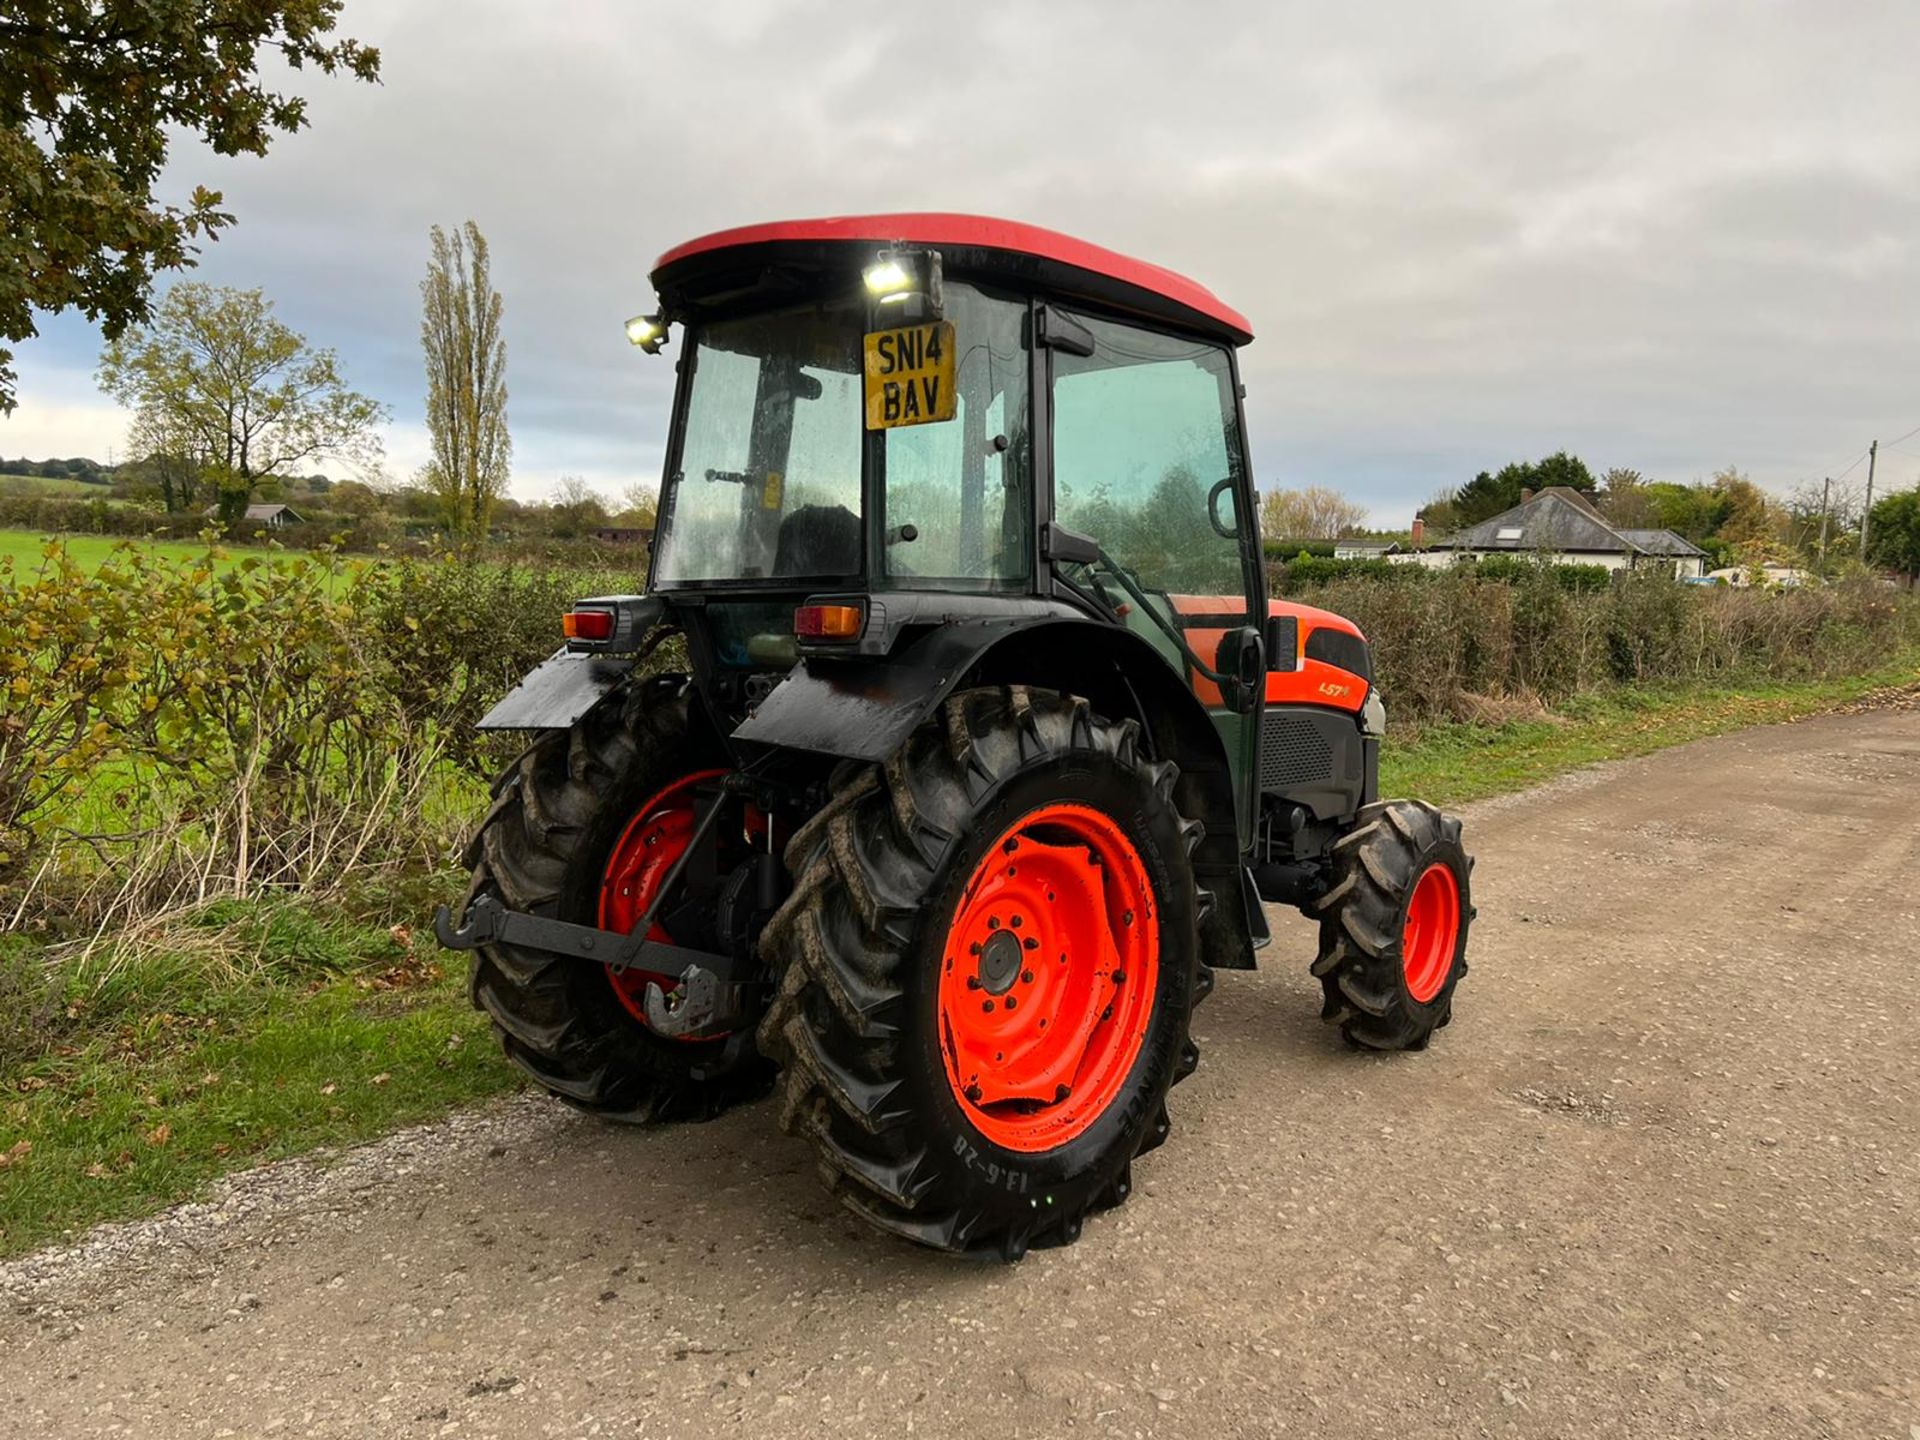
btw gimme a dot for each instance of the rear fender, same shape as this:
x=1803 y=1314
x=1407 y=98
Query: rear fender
x=558 y=691
x=862 y=711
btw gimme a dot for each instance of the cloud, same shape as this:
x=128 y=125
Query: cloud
x=1667 y=235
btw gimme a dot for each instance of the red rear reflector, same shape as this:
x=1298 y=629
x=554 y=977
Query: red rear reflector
x=588 y=624
x=826 y=622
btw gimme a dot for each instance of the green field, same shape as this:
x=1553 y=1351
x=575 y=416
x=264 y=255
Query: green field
x=39 y=486
x=25 y=548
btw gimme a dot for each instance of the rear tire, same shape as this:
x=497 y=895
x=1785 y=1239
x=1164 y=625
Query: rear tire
x=888 y=877
x=543 y=848
x=1393 y=926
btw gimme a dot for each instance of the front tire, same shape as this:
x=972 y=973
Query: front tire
x=1393 y=926
x=939 y=1109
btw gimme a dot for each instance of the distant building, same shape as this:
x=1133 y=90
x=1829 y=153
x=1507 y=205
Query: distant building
x=1560 y=523
x=272 y=516
x=624 y=535
x=1365 y=549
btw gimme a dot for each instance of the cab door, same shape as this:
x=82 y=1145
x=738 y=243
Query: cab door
x=1147 y=460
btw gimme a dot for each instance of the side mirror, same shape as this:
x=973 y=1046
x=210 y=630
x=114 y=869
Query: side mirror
x=1241 y=661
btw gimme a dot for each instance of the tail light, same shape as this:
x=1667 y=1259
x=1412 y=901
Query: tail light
x=827 y=622
x=588 y=624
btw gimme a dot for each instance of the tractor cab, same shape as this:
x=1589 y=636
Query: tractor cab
x=907 y=403
x=977 y=748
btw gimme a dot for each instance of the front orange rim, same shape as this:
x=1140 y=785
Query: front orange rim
x=1047 y=978
x=637 y=867
x=1432 y=932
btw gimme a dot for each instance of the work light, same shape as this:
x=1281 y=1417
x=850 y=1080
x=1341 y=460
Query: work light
x=907 y=282
x=888 y=278
x=649 y=332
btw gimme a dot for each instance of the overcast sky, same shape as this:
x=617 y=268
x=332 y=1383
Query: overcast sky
x=1671 y=236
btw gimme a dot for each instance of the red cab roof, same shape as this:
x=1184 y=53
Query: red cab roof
x=945 y=230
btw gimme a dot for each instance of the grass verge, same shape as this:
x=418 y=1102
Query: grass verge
x=142 y=1082
x=254 y=1032
x=1450 y=764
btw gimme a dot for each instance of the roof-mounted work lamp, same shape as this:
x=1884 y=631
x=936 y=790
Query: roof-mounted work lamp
x=905 y=285
x=649 y=332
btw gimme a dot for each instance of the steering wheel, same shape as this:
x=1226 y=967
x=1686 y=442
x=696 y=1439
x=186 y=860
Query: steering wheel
x=1213 y=510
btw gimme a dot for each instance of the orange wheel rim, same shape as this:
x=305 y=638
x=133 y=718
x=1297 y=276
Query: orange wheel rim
x=1432 y=932
x=637 y=867
x=1047 y=978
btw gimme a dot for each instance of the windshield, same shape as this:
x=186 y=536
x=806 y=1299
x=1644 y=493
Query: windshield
x=767 y=485
x=768 y=481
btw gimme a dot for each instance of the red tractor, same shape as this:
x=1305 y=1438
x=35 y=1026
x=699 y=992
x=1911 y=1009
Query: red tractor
x=985 y=750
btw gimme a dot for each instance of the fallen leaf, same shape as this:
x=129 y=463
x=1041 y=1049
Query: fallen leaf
x=97 y=1171
x=19 y=1152
x=160 y=1135
x=328 y=1088
x=382 y=1078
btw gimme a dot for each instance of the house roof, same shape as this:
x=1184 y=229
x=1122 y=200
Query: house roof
x=1558 y=518
x=1662 y=542
x=1372 y=547
x=267 y=512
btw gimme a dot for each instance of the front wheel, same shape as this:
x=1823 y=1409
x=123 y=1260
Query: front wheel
x=1393 y=925
x=985 y=973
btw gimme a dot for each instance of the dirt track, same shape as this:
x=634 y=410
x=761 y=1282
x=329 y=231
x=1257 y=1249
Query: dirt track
x=1660 y=1178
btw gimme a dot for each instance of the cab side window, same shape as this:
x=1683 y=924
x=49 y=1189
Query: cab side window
x=1144 y=431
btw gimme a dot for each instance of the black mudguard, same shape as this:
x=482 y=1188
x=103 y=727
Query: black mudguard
x=863 y=710
x=558 y=691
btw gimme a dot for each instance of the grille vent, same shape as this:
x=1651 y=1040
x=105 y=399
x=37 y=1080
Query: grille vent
x=1293 y=752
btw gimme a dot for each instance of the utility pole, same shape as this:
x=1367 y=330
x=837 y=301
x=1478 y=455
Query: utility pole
x=1826 y=510
x=1873 y=454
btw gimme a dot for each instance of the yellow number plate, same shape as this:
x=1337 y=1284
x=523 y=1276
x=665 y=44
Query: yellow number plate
x=909 y=375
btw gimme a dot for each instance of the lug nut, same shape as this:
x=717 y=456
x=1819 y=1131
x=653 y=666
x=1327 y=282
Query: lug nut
x=973 y=982
x=1015 y=922
x=993 y=922
x=987 y=1006
x=1030 y=943
x=1012 y=1000
x=1026 y=977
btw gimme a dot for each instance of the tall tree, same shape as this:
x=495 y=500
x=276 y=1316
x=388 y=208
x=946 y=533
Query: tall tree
x=169 y=454
x=91 y=95
x=1893 y=534
x=576 y=508
x=250 y=396
x=1752 y=515
x=1313 y=513
x=466 y=380
x=639 y=505
x=1487 y=494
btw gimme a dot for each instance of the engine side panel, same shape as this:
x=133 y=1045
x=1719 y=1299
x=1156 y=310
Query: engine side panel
x=1329 y=667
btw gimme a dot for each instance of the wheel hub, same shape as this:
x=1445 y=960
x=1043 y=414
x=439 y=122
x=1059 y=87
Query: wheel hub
x=999 y=962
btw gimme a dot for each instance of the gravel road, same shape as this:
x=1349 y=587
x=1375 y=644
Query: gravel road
x=1660 y=1178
